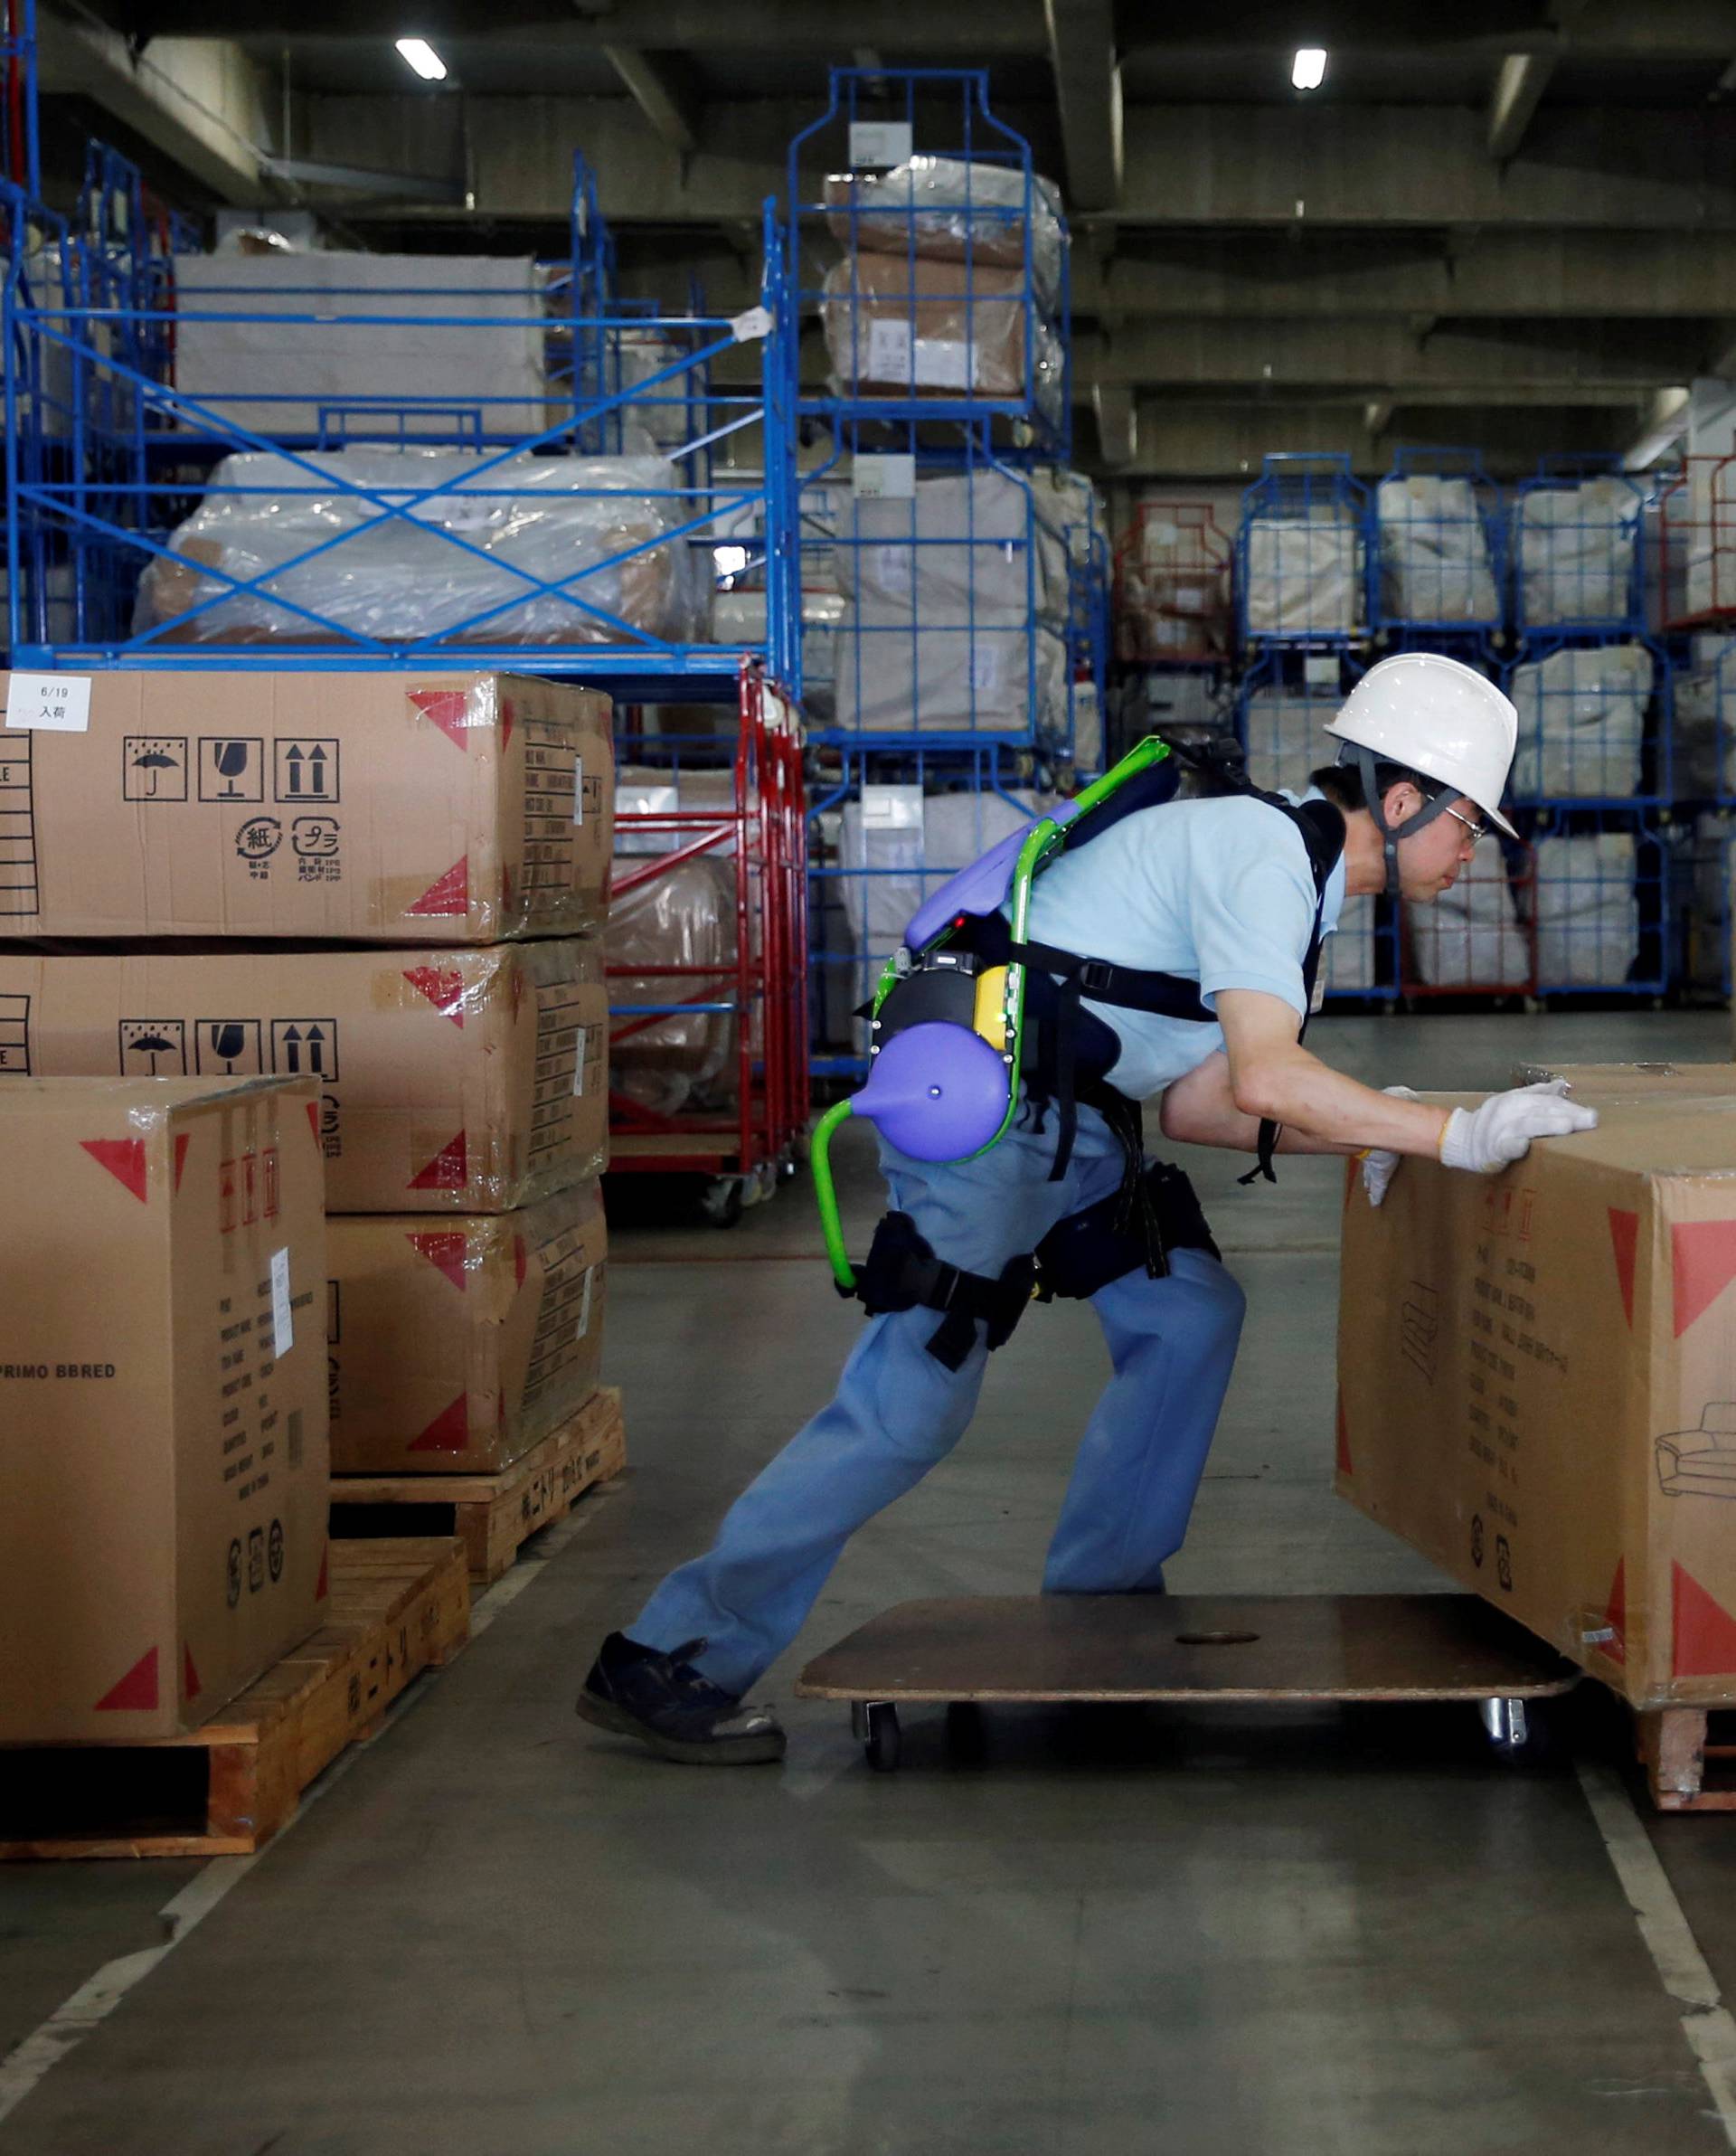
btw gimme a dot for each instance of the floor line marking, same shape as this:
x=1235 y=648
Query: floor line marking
x=1676 y=1953
x=87 y=2009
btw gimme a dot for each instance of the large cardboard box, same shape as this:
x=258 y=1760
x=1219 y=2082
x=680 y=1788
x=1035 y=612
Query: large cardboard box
x=452 y=1081
x=1537 y=1387
x=361 y=808
x=164 y=1465
x=459 y=1346
x=1598 y=1082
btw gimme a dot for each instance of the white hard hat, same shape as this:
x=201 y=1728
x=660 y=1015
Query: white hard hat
x=1438 y=716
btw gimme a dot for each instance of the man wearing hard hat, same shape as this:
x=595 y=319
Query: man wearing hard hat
x=1222 y=901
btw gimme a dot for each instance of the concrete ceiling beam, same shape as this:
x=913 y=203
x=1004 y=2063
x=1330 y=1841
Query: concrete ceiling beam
x=1088 y=89
x=663 y=88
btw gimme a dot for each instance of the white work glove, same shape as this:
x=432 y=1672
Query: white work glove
x=1378 y=1166
x=1486 y=1138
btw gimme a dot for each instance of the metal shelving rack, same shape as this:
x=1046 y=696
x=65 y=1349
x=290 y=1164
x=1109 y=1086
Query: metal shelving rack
x=956 y=577
x=140 y=450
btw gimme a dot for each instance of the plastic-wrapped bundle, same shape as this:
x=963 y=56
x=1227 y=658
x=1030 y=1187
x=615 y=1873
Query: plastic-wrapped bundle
x=274 y=342
x=952 y=210
x=1581 y=721
x=739 y=618
x=1577 y=550
x=974 y=547
x=1703 y=699
x=1304 y=574
x=1586 y=911
x=1435 y=564
x=684 y=916
x=1471 y=936
x=1347 y=957
x=1285 y=737
x=902 y=680
x=638 y=354
x=555 y=517
x=901 y=327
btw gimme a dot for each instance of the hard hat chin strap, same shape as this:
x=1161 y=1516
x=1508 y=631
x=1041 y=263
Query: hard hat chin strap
x=1433 y=807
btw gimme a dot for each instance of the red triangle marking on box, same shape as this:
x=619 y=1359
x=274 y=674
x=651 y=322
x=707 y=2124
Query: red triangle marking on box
x=520 y=1260
x=1704 y=1642
x=1344 y=1467
x=137 y=1690
x=449 y=1431
x=444 y=1249
x=1703 y=1264
x=450 y=895
x=1615 y=1615
x=182 y=1141
x=324 y=1571
x=1624 y=1238
x=124 y=1158
x=313 y=1119
x=444 y=987
x=450 y=1170
x=508 y=719
x=191 y=1687
x=448 y=709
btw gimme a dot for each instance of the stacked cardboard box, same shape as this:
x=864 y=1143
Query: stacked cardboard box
x=163 y=1450
x=1534 y=1375
x=391 y=886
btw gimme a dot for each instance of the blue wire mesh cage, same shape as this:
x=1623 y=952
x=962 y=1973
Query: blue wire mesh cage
x=1441 y=544
x=1594 y=722
x=1576 y=549
x=935 y=256
x=1303 y=553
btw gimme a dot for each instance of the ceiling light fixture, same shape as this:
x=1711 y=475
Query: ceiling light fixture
x=1308 y=68
x=417 y=54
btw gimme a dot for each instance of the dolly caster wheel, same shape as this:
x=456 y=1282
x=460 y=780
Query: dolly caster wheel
x=1518 y=1731
x=875 y=1725
x=721 y=1201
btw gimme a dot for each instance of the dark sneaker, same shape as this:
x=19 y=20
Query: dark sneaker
x=663 y=1701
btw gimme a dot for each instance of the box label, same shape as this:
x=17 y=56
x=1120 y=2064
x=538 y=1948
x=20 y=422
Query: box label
x=283 y=1326
x=580 y=1036
x=49 y=702
x=880 y=141
x=885 y=478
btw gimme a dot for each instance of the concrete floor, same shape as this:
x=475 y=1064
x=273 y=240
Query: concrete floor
x=1213 y=1935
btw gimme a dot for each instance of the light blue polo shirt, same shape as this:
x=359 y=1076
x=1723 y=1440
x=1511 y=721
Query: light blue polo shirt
x=1218 y=891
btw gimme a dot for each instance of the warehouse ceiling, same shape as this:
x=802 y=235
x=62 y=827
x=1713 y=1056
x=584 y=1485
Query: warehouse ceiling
x=1513 y=225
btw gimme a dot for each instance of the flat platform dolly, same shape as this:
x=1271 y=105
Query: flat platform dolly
x=1127 y=1649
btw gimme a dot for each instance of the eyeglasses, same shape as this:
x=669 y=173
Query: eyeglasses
x=1477 y=831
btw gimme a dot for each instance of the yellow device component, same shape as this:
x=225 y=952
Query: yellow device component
x=989 y=1018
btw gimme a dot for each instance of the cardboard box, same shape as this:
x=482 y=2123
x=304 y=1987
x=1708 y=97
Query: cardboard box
x=164 y=1465
x=897 y=325
x=1537 y=1387
x=457 y=1346
x=453 y=1082
x=361 y=807
x=1598 y=1082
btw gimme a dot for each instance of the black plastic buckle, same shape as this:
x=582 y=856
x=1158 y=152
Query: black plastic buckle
x=1096 y=976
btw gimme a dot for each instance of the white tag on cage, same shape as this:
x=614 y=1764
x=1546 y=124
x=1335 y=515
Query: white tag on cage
x=879 y=141
x=891 y=807
x=886 y=479
x=49 y=702
x=1320 y=673
x=945 y=363
x=755 y=323
x=889 y=352
x=985 y=669
x=894 y=570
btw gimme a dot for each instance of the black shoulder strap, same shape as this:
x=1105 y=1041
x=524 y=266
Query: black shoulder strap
x=1323 y=829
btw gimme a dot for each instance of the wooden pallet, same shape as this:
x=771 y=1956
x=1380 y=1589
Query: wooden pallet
x=493 y=1515
x=395 y=1609
x=1689 y=1755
